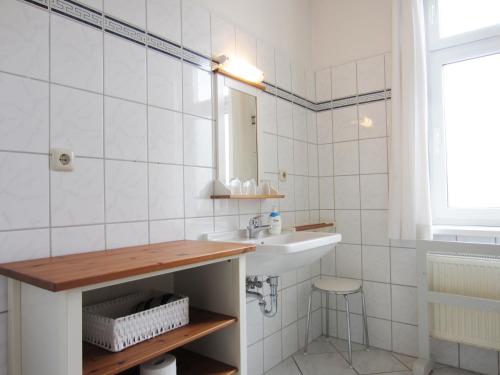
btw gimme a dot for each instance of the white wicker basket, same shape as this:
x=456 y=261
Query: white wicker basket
x=110 y=325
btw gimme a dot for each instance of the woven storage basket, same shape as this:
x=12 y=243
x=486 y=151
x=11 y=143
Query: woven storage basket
x=110 y=325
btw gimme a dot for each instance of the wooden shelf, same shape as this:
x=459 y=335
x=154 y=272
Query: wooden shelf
x=190 y=363
x=258 y=196
x=79 y=270
x=301 y=228
x=97 y=361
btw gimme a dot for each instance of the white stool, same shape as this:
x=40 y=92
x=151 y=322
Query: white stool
x=343 y=287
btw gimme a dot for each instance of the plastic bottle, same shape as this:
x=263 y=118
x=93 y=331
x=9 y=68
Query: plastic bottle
x=275 y=222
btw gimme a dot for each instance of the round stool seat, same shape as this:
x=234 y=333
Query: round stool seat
x=338 y=285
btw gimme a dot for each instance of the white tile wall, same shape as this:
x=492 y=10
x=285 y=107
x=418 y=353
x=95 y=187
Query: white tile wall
x=24 y=36
x=76 y=121
x=246 y=47
x=371 y=74
x=358 y=136
x=272 y=340
x=126 y=130
x=75 y=47
x=165 y=138
x=164 y=81
x=283 y=70
x=124 y=59
x=140 y=121
x=196 y=28
x=323 y=85
x=133 y=11
x=24 y=187
x=344 y=81
x=164 y=19
x=284 y=118
x=25 y=123
x=197 y=91
x=223 y=37
x=356 y=198
x=78 y=198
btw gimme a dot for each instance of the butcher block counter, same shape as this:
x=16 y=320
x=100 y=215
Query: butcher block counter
x=46 y=297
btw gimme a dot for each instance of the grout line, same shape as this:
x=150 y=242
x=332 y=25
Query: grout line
x=387 y=203
x=400 y=361
x=50 y=125
x=148 y=167
x=297 y=365
x=104 y=129
x=182 y=120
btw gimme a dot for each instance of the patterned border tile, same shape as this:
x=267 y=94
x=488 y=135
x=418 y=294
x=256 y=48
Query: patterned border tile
x=283 y=94
x=119 y=28
x=39 y=3
x=371 y=97
x=345 y=102
x=164 y=46
x=112 y=25
x=197 y=59
x=77 y=12
x=323 y=106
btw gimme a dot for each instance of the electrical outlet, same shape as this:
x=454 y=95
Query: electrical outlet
x=283 y=175
x=61 y=159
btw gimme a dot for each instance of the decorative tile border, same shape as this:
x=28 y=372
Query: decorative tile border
x=164 y=46
x=112 y=25
x=77 y=12
x=196 y=59
x=121 y=29
x=371 y=97
x=40 y=3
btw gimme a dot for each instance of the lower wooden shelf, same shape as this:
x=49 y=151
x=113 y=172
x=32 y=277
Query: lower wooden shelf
x=97 y=361
x=190 y=363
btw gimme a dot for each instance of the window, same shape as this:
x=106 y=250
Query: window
x=464 y=93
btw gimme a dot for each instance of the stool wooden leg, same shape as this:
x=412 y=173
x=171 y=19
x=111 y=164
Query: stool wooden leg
x=308 y=320
x=365 y=319
x=346 y=298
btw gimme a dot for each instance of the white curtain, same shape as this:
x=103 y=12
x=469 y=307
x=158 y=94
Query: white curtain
x=409 y=191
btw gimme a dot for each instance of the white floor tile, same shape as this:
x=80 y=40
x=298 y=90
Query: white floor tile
x=375 y=361
x=323 y=364
x=287 y=367
x=321 y=345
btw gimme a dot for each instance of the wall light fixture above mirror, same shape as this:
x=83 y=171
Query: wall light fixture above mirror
x=240 y=70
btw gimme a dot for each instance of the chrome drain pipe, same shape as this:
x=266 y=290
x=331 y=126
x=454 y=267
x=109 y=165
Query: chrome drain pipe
x=254 y=283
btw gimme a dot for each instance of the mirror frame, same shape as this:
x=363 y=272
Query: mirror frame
x=222 y=81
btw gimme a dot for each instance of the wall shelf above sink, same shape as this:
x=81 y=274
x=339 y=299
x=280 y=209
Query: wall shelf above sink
x=258 y=196
x=221 y=191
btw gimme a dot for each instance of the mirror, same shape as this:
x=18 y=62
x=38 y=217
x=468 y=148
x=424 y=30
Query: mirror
x=237 y=138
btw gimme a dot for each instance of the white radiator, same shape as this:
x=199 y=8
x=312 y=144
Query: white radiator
x=465 y=275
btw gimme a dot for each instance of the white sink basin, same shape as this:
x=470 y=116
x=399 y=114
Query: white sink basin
x=281 y=253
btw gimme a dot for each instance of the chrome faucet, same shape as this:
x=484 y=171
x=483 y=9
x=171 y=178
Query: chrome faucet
x=255 y=227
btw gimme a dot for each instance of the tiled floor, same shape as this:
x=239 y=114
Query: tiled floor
x=327 y=356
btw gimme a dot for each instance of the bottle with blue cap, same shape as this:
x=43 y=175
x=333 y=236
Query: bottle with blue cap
x=275 y=221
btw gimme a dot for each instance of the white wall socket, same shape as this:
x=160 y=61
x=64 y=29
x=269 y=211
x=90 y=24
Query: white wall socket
x=283 y=175
x=61 y=159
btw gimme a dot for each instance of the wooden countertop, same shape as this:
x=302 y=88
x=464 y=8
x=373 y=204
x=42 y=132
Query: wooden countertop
x=79 y=270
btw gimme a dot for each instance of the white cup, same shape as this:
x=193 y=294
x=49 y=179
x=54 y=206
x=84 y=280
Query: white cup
x=265 y=187
x=235 y=186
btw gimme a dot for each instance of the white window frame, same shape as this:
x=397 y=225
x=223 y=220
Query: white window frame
x=444 y=51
